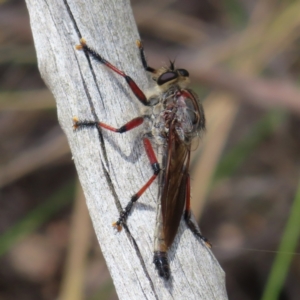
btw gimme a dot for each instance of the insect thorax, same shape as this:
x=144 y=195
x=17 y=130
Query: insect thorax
x=173 y=111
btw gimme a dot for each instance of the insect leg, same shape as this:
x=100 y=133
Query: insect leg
x=126 y=127
x=135 y=89
x=143 y=57
x=189 y=217
x=156 y=169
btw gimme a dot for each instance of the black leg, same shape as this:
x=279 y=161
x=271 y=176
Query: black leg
x=193 y=226
x=143 y=57
x=189 y=218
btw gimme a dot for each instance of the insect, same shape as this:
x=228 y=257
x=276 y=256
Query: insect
x=173 y=117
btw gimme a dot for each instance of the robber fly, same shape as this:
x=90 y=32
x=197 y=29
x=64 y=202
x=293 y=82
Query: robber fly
x=175 y=116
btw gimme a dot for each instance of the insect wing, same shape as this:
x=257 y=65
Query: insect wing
x=174 y=186
x=199 y=108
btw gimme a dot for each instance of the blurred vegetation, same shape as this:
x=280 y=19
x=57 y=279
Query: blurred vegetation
x=243 y=57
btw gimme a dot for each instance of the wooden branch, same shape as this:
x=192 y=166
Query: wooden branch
x=112 y=167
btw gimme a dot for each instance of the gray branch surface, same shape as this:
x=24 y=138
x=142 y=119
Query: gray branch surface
x=112 y=167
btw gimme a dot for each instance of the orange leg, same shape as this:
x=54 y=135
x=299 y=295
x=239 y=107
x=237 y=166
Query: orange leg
x=156 y=169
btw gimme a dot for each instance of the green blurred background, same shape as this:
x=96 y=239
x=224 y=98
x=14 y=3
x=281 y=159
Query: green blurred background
x=244 y=61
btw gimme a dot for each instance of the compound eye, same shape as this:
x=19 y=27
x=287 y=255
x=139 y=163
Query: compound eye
x=168 y=76
x=183 y=72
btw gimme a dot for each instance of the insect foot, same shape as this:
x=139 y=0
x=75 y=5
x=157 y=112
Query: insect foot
x=117 y=225
x=75 y=123
x=81 y=45
x=123 y=216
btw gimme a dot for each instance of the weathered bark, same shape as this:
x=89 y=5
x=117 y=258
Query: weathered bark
x=112 y=167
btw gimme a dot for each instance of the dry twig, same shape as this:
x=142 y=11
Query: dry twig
x=112 y=167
